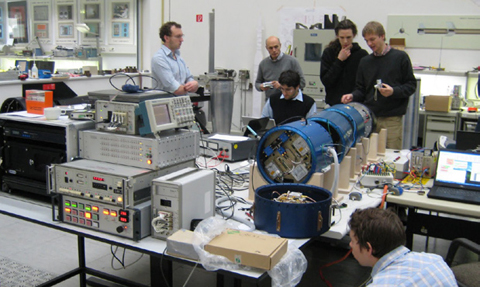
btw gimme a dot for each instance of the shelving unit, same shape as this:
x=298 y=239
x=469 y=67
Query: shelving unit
x=7 y=62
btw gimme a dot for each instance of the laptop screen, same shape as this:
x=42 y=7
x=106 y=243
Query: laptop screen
x=458 y=169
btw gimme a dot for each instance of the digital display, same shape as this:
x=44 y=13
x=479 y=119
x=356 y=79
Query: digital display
x=162 y=115
x=98 y=178
x=164 y=202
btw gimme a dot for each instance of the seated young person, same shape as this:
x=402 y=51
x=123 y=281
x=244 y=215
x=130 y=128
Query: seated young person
x=291 y=103
x=377 y=239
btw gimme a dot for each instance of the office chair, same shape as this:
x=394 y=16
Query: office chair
x=466 y=274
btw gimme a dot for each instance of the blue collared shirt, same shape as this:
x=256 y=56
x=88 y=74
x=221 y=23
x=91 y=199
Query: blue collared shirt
x=267 y=111
x=403 y=268
x=280 y=56
x=170 y=73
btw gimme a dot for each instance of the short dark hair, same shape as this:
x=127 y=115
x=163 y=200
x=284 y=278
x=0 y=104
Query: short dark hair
x=345 y=25
x=383 y=229
x=373 y=27
x=289 y=78
x=166 y=29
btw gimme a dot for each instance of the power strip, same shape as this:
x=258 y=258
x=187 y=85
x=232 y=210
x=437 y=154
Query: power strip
x=371 y=179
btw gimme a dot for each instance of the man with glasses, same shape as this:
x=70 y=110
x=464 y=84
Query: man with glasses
x=168 y=67
x=291 y=104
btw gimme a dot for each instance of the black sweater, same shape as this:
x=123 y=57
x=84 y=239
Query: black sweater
x=337 y=76
x=394 y=69
x=286 y=109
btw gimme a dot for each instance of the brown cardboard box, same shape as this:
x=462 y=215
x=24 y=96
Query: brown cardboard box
x=248 y=248
x=397 y=43
x=438 y=103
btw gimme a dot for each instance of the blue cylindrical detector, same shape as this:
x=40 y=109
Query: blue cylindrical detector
x=293 y=152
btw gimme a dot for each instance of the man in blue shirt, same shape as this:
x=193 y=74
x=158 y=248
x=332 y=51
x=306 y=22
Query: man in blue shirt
x=169 y=69
x=377 y=239
x=292 y=103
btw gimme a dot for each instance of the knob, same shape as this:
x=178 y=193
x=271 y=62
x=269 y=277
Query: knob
x=120 y=229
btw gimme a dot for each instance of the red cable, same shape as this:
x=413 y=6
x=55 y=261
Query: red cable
x=384 y=196
x=330 y=264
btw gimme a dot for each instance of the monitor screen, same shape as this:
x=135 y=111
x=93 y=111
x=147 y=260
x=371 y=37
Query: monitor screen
x=162 y=115
x=460 y=167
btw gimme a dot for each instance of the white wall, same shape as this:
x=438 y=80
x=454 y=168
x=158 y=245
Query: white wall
x=236 y=24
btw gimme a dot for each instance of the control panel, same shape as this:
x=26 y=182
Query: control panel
x=103 y=182
x=132 y=223
x=117 y=117
x=174 y=147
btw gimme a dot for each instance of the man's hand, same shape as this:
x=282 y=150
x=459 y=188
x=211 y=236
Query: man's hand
x=276 y=84
x=191 y=86
x=386 y=90
x=344 y=53
x=347 y=98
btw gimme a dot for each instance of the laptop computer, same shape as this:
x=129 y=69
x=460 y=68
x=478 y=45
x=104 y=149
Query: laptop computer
x=258 y=125
x=457 y=177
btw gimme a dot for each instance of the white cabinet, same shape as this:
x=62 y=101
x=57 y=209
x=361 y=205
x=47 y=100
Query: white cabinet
x=437 y=124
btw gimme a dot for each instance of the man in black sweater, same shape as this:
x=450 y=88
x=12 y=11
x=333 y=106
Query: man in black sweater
x=384 y=83
x=292 y=103
x=340 y=61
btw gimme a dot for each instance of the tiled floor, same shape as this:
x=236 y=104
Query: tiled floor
x=55 y=252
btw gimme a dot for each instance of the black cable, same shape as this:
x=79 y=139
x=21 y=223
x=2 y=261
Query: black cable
x=289 y=120
x=161 y=267
x=120 y=74
x=114 y=254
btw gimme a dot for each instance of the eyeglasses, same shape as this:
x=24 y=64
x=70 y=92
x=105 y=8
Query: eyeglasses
x=178 y=36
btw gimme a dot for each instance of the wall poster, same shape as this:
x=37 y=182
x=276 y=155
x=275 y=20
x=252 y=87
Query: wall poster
x=17 y=21
x=40 y=26
x=121 y=17
x=65 y=14
x=92 y=13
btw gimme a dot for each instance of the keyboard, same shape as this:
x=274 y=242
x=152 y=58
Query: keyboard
x=453 y=194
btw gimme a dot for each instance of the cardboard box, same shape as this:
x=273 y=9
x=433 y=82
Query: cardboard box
x=438 y=103
x=180 y=244
x=397 y=43
x=37 y=100
x=248 y=248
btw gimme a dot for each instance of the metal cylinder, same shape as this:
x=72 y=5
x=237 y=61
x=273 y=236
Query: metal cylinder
x=293 y=220
x=410 y=120
x=293 y=152
x=340 y=127
x=221 y=101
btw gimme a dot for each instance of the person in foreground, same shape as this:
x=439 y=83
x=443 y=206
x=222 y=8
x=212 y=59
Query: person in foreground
x=291 y=103
x=384 y=83
x=168 y=67
x=272 y=66
x=340 y=63
x=377 y=239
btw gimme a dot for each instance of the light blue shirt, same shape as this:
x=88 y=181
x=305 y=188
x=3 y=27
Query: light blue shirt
x=170 y=73
x=403 y=268
x=268 y=113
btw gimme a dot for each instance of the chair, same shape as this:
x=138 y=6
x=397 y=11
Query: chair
x=467 y=274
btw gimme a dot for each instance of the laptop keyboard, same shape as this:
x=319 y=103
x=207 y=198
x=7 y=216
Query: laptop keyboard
x=461 y=195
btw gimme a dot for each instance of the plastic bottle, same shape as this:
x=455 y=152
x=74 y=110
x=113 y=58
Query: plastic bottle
x=34 y=71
